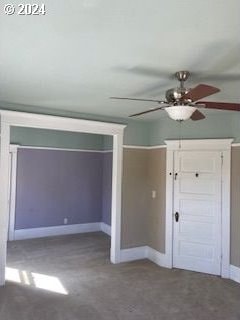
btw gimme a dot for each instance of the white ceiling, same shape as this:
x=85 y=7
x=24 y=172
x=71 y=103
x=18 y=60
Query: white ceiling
x=83 y=51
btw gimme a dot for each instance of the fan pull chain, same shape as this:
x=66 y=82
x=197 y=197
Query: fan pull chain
x=180 y=134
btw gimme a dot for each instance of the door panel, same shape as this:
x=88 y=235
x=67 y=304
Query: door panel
x=201 y=207
x=199 y=164
x=197 y=199
x=197 y=186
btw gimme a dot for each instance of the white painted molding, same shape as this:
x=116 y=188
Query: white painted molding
x=13 y=146
x=235 y=273
x=107 y=151
x=132 y=254
x=31 y=120
x=4 y=194
x=145 y=252
x=106 y=228
x=226 y=213
x=125 y=146
x=60 y=230
x=116 y=198
x=12 y=190
x=144 y=147
x=56 y=230
x=200 y=144
x=169 y=206
x=157 y=257
x=235 y=145
x=160 y=146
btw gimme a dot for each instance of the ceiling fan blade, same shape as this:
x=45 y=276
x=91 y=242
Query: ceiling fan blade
x=197 y=115
x=221 y=105
x=200 y=91
x=148 y=71
x=144 y=112
x=136 y=99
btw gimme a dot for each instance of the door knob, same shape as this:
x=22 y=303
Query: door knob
x=176 y=216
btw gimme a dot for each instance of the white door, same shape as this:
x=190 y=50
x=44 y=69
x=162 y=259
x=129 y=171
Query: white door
x=197 y=211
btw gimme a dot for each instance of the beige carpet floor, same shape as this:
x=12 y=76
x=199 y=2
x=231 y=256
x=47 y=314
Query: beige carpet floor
x=71 y=278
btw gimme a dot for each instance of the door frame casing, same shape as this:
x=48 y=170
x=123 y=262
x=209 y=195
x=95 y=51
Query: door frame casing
x=223 y=146
x=12 y=189
x=31 y=120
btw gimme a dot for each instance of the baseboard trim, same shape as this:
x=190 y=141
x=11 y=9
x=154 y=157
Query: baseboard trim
x=106 y=228
x=157 y=257
x=132 y=254
x=235 y=273
x=56 y=231
x=145 y=252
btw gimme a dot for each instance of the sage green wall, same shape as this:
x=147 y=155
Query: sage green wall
x=57 y=139
x=136 y=133
x=214 y=126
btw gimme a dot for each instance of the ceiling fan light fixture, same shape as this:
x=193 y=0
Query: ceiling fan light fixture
x=180 y=113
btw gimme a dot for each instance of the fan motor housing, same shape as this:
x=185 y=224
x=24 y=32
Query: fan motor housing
x=176 y=94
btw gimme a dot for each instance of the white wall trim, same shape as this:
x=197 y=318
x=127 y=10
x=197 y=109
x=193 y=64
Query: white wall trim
x=226 y=213
x=235 y=273
x=144 y=147
x=60 y=230
x=125 y=146
x=169 y=207
x=12 y=190
x=116 y=206
x=161 y=259
x=157 y=257
x=159 y=146
x=22 y=119
x=4 y=195
x=200 y=144
x=106 y=228
x=107 y=151
x=132 y=254
x=56 y=230
x=144 y=252
x=33 y=120
x=59 y=149
x=224 y=146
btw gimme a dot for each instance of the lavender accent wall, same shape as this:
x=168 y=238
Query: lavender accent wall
x=53 y=185
x=107 y=188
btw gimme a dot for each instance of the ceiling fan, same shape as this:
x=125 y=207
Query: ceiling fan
x=183 y=103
